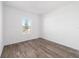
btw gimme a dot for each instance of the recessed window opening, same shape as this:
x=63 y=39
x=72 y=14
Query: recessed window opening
x=26 y=24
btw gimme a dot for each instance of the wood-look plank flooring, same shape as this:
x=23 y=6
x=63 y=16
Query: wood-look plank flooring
x=38 y=48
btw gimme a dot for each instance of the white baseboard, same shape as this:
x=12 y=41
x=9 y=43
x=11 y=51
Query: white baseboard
x=61 y=43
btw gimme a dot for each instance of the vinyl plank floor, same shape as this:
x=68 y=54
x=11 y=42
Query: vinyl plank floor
x=38 y=48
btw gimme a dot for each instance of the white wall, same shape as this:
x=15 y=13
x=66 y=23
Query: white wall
x=13 y=25
x=40 y=25
x=1 y=36
x=62 y=26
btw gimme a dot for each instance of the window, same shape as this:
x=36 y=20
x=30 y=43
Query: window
x=26 y=24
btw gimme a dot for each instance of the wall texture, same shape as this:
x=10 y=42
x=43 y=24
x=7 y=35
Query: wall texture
x=13 y=25
x=62 y=26
x=1 y=32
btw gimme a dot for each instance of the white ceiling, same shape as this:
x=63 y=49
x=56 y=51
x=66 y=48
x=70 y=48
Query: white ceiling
x=38 y=7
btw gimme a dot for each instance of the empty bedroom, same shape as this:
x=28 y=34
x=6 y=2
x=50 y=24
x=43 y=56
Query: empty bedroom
x=39 y=29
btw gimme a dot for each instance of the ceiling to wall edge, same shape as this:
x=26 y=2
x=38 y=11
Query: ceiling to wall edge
x=27 y=11
x=20 y=9
x=5 y=4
